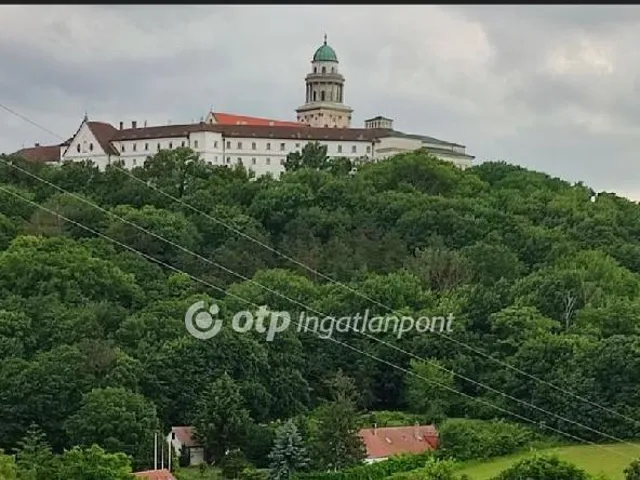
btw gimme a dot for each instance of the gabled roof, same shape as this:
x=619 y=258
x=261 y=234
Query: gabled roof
x=233 y=119
x=104 y=132
x=155 y=475
x=185 y=436
x=41 y=154
x=388 y=441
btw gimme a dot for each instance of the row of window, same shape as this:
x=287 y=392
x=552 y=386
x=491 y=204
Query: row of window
x=158 y=147
x=354 y=148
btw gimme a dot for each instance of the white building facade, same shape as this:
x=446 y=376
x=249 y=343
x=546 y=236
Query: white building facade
x=260 y=145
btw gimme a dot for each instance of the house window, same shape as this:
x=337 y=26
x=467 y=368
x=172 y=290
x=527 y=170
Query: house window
x=253 y=146
x=215 y=159
x=368 y=148
x=78 y=148
x=134 y=162
x=158 y=146
x=282 y=147
x=228 y=159
x=268 y=146
x=282 y=161
x=322 y=92
x=91 y=147
x=146 y=146
x=239 y=161
x=297 y=145
x=315 y=69
x=353 y=149
x=268 y=161
x=339 y=148
x=228 y=144
x=182 y=144
x=239 y=145
x=253 y=161
x=135 y=147
x=195 y=143
x=122 y=147
x=215 y=144
x=324 y=69
x=170 y=145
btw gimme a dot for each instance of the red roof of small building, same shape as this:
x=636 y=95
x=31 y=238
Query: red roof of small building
x=41 y=154
x=185 y=436
x=155 y=475
x=388 y=441
x=233 y=119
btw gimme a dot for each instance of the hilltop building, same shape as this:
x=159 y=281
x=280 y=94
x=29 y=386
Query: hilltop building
x=260 y=144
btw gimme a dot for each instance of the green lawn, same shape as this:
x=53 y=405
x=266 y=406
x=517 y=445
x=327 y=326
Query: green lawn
x=595 y=460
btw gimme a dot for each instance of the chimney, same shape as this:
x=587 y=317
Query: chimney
x=134 y=124
x=145 y=124
x=37 y=144
x=121 y=125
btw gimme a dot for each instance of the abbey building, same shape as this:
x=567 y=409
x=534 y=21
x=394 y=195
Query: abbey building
x=260 y=144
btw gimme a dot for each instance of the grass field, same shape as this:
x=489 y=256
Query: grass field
x=610 y=460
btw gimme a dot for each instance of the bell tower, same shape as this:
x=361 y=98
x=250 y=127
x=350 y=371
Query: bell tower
x=324 y=100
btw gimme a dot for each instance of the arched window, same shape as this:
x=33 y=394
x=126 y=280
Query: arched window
x=91 y=147
x=78 y=148
x=324 y=69
x=322 y=96
x=314 y=99
x=315 y=69
x=333 y=69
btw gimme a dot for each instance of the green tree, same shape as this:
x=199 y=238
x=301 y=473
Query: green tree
x=632 y=472
x=542 y=467
x=289 y=454
x=429 y=399
x=94 y=464
x=34 y=457
x=221 y=421
x=118 y=420
x=8 y=468
x=336 y=443
x=313 y=155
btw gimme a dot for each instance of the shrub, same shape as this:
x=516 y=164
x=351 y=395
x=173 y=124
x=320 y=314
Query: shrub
x=542 y=467
x=465 y=439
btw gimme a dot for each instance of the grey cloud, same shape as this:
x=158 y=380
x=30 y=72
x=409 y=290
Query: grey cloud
x=477 y=75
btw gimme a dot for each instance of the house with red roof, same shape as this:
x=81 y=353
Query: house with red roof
x=382 y=443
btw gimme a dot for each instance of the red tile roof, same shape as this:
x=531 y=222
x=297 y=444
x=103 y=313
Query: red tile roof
x=185 y=436
x=388 y=441
x=104 y=132
x=41 y=154
x=232 y=119
x=155 y=475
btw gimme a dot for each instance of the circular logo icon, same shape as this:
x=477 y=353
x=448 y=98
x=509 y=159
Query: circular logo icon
x=200 y=322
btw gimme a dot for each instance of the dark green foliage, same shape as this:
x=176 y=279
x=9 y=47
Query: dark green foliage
x=464 y=439
x=543 y=467
x=536 y=275
x=374 y=471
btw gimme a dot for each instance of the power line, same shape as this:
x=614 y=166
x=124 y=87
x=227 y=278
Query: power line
x=351 y=347
x=310 y=269
x=306 y=307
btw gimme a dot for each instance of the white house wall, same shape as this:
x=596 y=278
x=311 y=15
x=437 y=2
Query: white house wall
x=90 y=149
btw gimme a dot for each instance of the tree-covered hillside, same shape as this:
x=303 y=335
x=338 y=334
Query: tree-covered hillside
x=540 y=275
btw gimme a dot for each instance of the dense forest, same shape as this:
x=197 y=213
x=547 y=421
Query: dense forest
x=97 y=270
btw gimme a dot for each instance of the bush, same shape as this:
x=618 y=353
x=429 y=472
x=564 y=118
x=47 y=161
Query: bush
x=542 y=467
x=465 y=439
x=374 y=471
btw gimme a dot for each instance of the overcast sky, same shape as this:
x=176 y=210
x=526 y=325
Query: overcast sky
x=553 y=88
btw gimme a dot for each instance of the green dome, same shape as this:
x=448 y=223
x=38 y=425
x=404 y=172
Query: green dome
x=325 y=53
